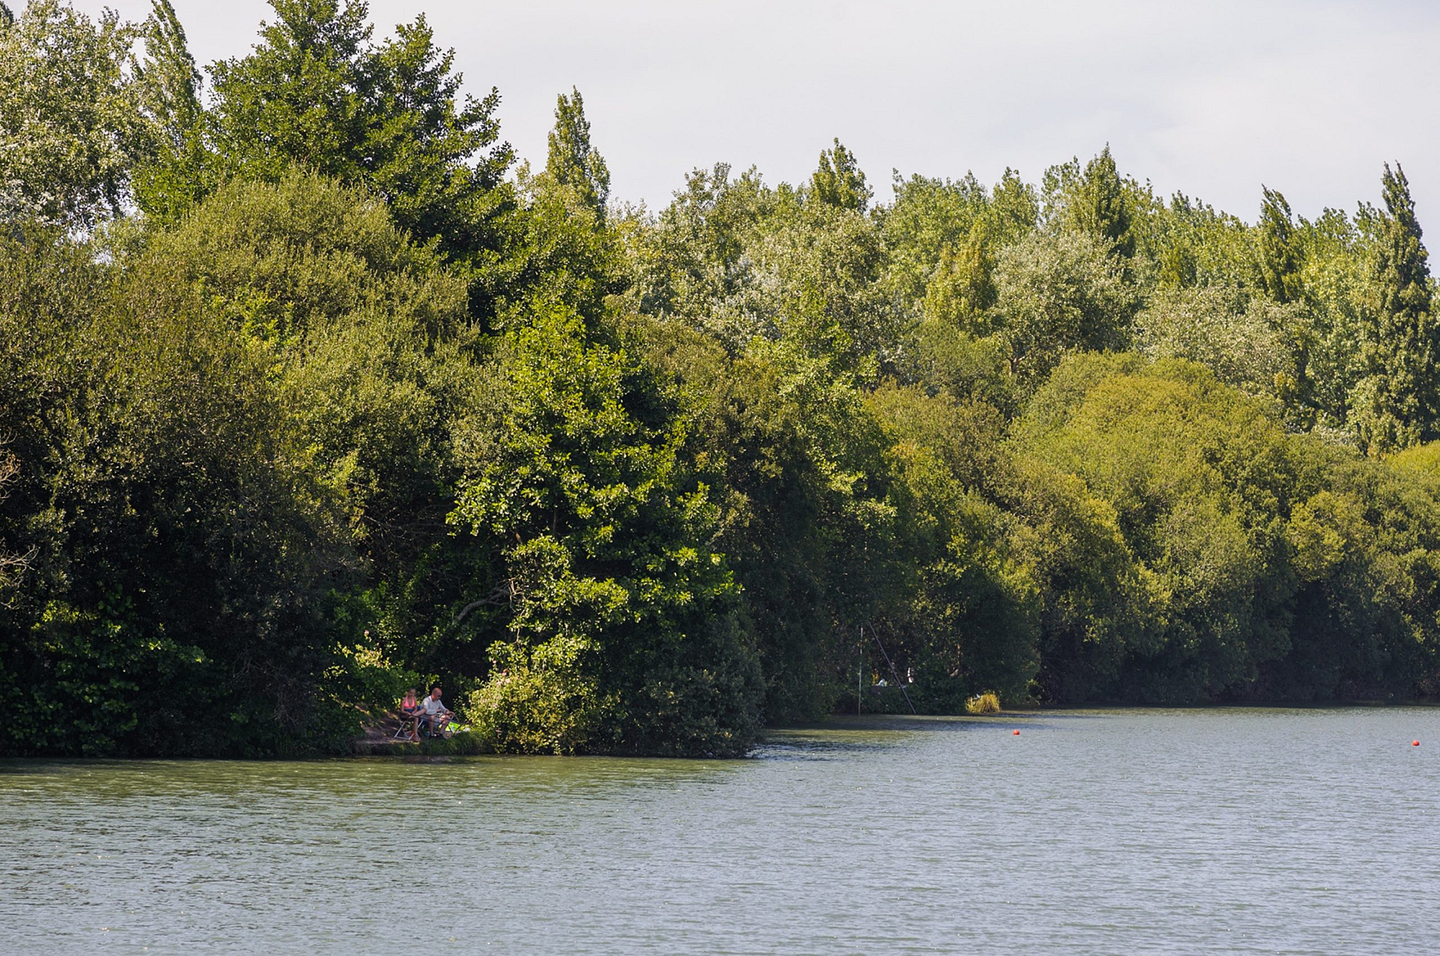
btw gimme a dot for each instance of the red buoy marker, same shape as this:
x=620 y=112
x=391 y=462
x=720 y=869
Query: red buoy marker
x=1413 y=743
x=1016 y=733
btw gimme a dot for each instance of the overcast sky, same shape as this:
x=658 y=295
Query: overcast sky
x=1212 y=98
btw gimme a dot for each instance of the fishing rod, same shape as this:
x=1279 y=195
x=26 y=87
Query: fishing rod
x=890 y=664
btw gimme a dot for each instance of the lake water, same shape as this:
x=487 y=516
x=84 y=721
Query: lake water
x=1140 y=831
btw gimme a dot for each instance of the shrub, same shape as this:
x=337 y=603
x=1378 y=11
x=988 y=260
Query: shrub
x=528 y=710
x=986 y=703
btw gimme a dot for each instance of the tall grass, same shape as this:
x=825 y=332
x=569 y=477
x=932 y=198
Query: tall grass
x=986 y=703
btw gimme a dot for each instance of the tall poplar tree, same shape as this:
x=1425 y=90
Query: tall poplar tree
x=1398 y=401
x=838 y=181
x=1280 y=252
x=166 y=182
x=572 y=161
x=1099 y=206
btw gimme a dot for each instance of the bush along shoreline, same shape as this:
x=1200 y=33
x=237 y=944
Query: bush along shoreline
x=309 y=389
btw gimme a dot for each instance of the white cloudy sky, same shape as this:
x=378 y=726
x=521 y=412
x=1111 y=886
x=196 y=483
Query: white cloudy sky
x=1212 y=97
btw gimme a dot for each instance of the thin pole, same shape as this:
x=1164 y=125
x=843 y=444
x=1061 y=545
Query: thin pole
x=859 y=668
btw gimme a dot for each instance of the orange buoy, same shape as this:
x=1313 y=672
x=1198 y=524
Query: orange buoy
x=1413 y=743
x=1017 y=734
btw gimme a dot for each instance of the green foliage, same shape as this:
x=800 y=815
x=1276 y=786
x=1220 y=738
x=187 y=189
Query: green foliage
x=345 y=409
x=1193 y=244
x=692 y=262
x=1397 y=402
x=171 y=86
x=572 y=161
x=742 y=261
x=960 y=602
x=1280 y=254
x=1060 y=292
x=965 y=365
x=948 y=232
x=1194 y=475
x=319 y=93
x=12 y=564
x=839 y=181
x=986 y=703
x=962 y=289
x=1255 y=576
x=565 y=252
x=929 y=219
x=177 y=549
x=303 y=255
x=1096 y=205
x=71 y=123
x=1338 y=285
x=1248 y=343
x=618 y=637
x=368 y=347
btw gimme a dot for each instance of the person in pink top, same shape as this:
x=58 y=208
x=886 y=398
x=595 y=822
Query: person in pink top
x=411 y=710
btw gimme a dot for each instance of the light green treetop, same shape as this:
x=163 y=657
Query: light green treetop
x=839 y=181
x=572 y=160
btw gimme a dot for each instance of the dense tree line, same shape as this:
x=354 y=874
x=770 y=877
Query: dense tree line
x=308 y=391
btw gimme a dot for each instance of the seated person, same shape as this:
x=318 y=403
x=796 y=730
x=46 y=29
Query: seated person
x=435 y=711
x=411 y=710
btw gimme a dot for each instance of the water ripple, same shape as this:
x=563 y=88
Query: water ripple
x=1210 y=831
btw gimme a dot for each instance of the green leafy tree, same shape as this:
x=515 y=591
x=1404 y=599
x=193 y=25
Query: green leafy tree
x=365 y=339
x=963 y=614
x=1194 y=244
x=182 y=563
x=572 y=161
x=566 y=251
x=171 y=85
x=1364 y=557
x=1280 y=253
x=927 y=217
x=944 y=356
x=1059 y=292
x=817 y=272
x=839 y=181
x=622 y=636
x=1097 y=205
x=318 y=92
x=692 y=262
x=1196 y=473
x=1014 y=208
x=1337 y=279
x=799 y=465
x=963 y=288
x=1250 y=343
x=1397 y=404
x=71 y=121
x=744 y=261
x=1092 y=601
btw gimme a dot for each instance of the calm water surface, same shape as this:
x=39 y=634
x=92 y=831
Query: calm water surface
x=1152 y=831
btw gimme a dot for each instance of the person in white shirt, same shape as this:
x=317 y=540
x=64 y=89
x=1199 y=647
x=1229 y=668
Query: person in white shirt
x=436 y=713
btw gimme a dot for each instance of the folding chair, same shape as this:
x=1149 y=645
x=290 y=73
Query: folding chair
x=408 y=724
